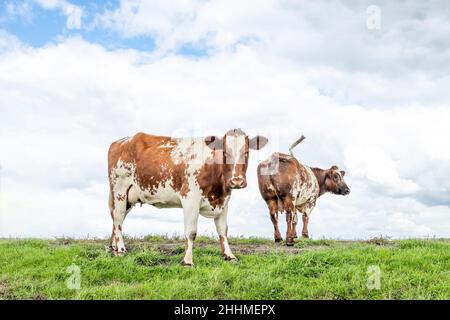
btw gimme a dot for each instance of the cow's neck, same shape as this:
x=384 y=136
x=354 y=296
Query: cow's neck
x=321 y=176
x=211 y=180
x=219 y=181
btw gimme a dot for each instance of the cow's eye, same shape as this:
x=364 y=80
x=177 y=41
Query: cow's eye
x=336 y=177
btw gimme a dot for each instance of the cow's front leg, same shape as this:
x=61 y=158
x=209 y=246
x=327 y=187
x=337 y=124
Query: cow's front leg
x=222 y=230
x=118 y=215
x=191 y=212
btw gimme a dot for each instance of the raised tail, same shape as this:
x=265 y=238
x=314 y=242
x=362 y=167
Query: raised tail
x=296 y=143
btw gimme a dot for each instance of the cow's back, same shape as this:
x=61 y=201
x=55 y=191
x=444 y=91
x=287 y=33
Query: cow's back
x=148 y=159
x=277 y=175
x=282 y=175
x=141 y=146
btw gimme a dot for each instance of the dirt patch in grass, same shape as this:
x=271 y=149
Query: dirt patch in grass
x=38 y=296
x=176 y=248
x=5 y=292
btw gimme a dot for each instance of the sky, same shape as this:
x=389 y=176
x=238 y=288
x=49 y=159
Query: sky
x=365 y=81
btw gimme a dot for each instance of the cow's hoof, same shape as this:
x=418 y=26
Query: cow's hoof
x=305 y=236
x=187 y=265
x=230 y=259
x=121 y=251
x=278 y=239
x=290 y=242
x=118 y=252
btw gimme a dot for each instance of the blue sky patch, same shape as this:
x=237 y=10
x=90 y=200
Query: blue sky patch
x=38 y=26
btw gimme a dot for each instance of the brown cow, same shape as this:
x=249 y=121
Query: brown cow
x=196 y=174
x=288 y=186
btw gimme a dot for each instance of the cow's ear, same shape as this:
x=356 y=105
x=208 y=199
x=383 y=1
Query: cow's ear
x=342 y=173
x=214 y=143
x=257 y=142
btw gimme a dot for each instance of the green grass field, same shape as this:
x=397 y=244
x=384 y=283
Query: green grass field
x=319 y=269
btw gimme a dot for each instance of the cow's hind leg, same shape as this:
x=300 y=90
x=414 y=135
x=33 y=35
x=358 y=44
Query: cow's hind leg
x=306 y=211
x=222 y=230
x=273 y=210
x=113 y=245
x=290 y=218
x=305 y=226
x=295 y=221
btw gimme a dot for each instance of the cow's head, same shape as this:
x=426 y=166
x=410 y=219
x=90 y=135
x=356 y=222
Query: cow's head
x=235 y=146
x=334 y=181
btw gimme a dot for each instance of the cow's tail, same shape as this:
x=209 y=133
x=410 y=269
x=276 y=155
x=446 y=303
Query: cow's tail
x=296 y=143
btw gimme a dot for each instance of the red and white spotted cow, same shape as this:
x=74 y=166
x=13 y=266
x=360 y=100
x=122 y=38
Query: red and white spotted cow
x=288 y=186
x=196 y=174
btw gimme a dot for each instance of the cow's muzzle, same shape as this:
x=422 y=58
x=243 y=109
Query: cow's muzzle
x=238 y=183
x=344 y=191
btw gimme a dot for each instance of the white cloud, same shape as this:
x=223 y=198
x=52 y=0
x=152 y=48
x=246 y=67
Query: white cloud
x=373 y=164
x=329 y=42
x=71 y=11
x=9 y=43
